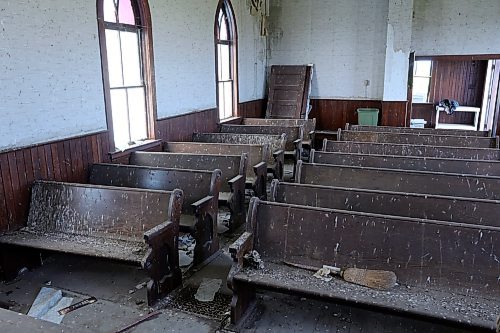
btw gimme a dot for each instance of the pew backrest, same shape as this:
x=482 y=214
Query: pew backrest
x=92 y=210
x=439 y=131
x=293 y=133
x=423 y=206
x=450 y=184
x=196 y=184
x=309 y=124
x=256 y=153
x=419 y=139
x=230 y=165
x=433 y=164
x=411 y=150
x=274 y=142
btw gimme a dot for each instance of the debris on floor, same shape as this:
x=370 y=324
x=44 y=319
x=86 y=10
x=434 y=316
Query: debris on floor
x=253 y=260
x=186 y=245
x=207 y=290
x=77 y=306
x=47 y=304
x=324 y=274
x=224 y=219
x=139 y=321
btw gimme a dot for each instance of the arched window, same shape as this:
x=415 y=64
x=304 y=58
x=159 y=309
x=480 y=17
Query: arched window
x=226 y=60
x=126 y=54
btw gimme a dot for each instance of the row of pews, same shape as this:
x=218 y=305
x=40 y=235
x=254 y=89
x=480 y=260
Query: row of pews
x=135 y=212
x=421 y=203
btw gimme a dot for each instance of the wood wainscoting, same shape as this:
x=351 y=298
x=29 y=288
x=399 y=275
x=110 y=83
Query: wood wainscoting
x=182 y=127
x=64 y=160
x=252 y=109
x=332 y=114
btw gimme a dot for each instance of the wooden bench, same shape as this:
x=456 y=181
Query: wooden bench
x=309 y=126
x=201 y=196
x=432 y=164
x=256 y=176
x=440 y=131
x=411 y=150
x=410 y=181
x=234 y=169
x=419 y=139
x=276 y=144
x=423 y=206
x=135 y=226
x=294 y=135
x=437 y=263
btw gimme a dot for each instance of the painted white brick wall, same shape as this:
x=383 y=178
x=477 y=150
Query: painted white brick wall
x=50 y=71
x=183 y=34
x=456 y=27
x=344 y=39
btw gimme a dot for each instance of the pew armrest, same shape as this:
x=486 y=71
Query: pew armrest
x=240 y=247
x=279 y=165
x=259 y=187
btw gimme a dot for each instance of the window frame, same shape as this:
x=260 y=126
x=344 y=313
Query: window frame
x=144 y=27
x=227 y=7
x=429 y=77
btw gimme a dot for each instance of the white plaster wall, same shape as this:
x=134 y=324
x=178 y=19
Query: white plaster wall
x=251 y=54
x=456 y=27
x=50 y=71
x=344 y=39
x=183 y=34
x=399 y=30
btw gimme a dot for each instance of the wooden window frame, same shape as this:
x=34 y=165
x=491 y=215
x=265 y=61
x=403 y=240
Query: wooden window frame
x=146 y=39
x=227 y=7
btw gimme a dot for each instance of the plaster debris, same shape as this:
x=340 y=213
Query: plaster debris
x=253 y=260
x=207 y=290
x=324 y=274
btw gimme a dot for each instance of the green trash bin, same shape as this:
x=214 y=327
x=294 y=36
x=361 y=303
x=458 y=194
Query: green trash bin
x=367 y=116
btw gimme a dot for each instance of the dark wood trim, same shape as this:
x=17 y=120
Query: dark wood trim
x=148 y=64
x=474 y=57
x=234 y=30
x=184 y=114
x=53 y=141
x=182 y=127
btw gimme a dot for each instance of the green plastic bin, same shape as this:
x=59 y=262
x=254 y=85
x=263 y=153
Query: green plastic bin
x=367 y=116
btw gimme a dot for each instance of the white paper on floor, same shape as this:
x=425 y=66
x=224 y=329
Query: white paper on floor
x=47 y=303
x=207 y=290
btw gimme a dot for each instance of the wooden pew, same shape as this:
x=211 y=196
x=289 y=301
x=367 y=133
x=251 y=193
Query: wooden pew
x=432 y=164
x=422 y=206
x=410 y=181
x=419 y=139
x=309 y=126
x=437 y=263
x=294 y=135
x=411 y=150
x=256 y=176
x=135 y=226
x=407 y=130
x=201 y=196
x=276 y=143
x=234 y=169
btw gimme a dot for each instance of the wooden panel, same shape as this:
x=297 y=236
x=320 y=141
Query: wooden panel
x=252 y=109
x=181 y=128
x=65 y=160
x=394 y=114
x=332 y=114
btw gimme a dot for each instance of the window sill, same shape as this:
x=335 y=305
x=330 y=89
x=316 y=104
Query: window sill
x=147 y=145
x=230 y=120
